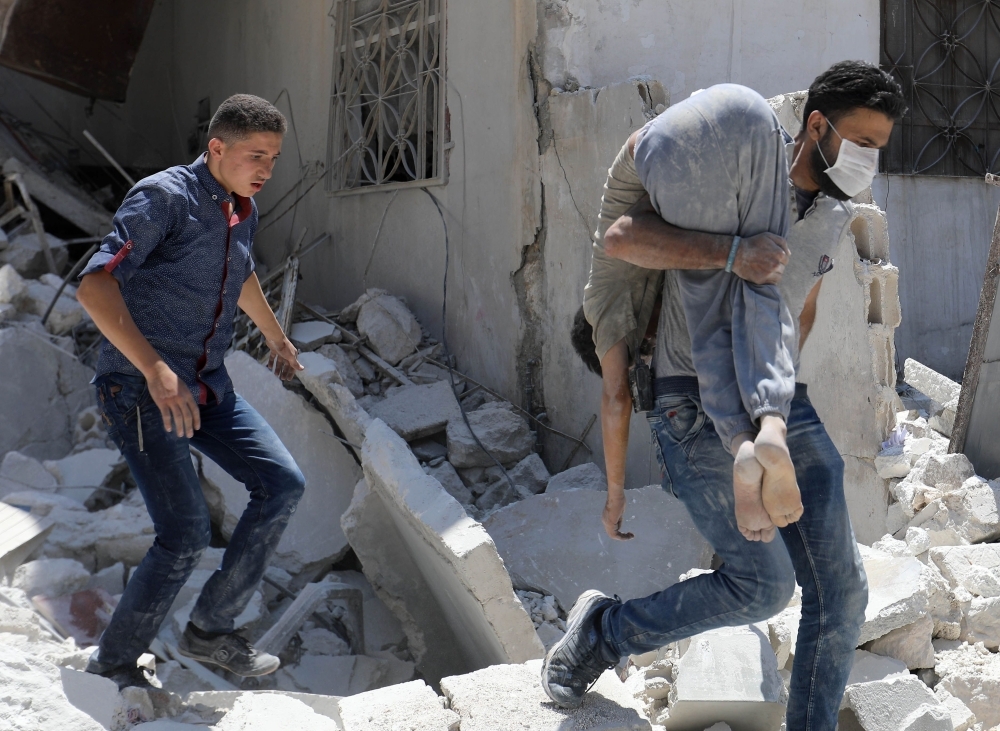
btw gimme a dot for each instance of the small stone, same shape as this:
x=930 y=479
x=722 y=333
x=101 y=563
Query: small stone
x=892 y=462
x=390 y=327
x=498 y=494
x=418 y=411
x=12 y=285
x=427 y=450
x=504 y=435
x=451 y=482
x=531 y=473
x=310 y=335
x=910 y=644
x=897 y=703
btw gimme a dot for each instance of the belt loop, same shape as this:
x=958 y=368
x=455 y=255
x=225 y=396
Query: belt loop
x=138 y=423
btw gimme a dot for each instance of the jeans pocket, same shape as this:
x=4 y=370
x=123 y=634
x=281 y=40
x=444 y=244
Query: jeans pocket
x=681 y=417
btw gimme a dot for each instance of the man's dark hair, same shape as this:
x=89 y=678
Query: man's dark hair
x=243 y=114
x=582 y=337
x=851 y=85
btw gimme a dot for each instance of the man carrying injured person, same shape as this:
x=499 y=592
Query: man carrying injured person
x=705 y=190
x=164 y=289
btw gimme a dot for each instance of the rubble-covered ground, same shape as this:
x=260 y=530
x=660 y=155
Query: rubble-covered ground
x=416 y=560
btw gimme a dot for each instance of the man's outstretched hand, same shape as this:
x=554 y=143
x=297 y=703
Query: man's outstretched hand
x=761 y=259
x=177 y=406
x=614 y=510
x=283 y=360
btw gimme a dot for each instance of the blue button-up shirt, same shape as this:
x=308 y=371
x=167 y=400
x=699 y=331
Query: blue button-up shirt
x=180 y=250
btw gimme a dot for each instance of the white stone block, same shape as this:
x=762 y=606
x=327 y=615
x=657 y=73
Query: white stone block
x=19 y=472
x=892 y=462
x=967 y=515
x=961 y=716
x=85 y=469
x=910 y=644
x=12 y=285
x=51 y=576
x=974 y=568
x=869 y=667
x=895 y=597
x=33 y=696
x=982 y=622
x=502 y=432
x=411 y=706
x=929 y=382
x=898 y=703
x=310 y=335
x=96 y=696
x=783 y=631
x=582 y=477
x=390 y=327
x=273 y=712
x=418 y=411
x=971 y=673
x=531 y=472
x=556 y=543
x=511 y=697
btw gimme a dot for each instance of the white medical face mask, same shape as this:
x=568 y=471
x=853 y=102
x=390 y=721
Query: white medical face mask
x=855 y=167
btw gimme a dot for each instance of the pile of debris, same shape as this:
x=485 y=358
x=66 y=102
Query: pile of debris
x=470 y=554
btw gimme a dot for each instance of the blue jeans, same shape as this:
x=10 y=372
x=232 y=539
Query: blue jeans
x=238 y=439
x=756 y=580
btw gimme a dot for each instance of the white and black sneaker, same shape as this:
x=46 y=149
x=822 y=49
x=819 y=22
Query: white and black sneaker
x=575 y=663
x=230 y=651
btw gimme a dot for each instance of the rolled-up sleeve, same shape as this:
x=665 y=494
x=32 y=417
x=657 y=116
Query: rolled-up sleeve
x=144 y=219
x=619 y=296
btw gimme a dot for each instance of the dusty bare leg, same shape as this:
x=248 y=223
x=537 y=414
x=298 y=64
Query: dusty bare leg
x=780 y=491
x=751 y=516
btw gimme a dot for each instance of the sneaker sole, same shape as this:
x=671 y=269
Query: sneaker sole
x=204 y=659
x=580 y=610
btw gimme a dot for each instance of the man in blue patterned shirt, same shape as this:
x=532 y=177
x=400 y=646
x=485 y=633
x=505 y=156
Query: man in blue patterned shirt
x=164 y=289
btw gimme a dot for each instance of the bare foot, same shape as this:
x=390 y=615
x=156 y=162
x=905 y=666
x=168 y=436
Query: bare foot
x=779 y=492
x=751 y=517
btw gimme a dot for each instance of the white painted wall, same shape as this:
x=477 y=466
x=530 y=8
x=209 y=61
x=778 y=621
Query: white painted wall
x=940 y=231
x=773 y=46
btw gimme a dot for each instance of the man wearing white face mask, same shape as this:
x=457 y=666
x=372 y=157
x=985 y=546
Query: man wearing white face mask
x=678 y=192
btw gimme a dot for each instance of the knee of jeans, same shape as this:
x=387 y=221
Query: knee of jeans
x=854 y=599
x=772 y=597
x=292 y=483
x=189 y=540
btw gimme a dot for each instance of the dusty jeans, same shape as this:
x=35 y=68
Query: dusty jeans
x=238 y=439
x=756 y=580
x=716 y=163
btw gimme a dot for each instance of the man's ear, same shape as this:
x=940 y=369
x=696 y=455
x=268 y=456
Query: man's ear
x=215 y=147
x=816 y=125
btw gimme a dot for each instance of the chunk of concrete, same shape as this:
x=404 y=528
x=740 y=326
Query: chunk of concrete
x=329 y=469
x=311 y=335
x=418 y=411
x=982 y=622
x=748 y=695
x=324 y=380
x=12 y=285
x=412 y=706
x=971 y=673
x=895 y=596
x=556 y=543
x=869 y=667
x=33 y=696
x=51 y=577
x=123 y=533
x=511 y=696
x=428 y=449
x=96 y=696
x=390 y=327
x=273 y=712
x=66 y=314
x=19 y=472
x=962 y=716
x=964 y=516
x=531 y=473
x=929 y=382
x=434 y=567
x=910 y=644
x=26 y=255
x=582 y=477
x=346 y=372
x=42 y=390
x=974 y=568
x=892 y=463
x=504 y=434
x=783 y=631
x=899 y=703
x=451 y=482
x=90 y=469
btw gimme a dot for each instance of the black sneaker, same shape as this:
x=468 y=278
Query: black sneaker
x=230 y=651
x=575 y=663
x=125 y=676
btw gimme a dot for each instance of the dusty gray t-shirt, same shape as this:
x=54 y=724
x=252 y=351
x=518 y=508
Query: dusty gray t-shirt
x=810 y=237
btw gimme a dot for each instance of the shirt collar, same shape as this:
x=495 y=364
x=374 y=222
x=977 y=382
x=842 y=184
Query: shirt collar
x=243 y=205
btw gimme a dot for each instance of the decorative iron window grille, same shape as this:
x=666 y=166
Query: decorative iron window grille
x=387 y=105
x=946 y=55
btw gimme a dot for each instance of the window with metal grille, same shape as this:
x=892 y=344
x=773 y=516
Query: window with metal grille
x=946 y=55
x=387 y=106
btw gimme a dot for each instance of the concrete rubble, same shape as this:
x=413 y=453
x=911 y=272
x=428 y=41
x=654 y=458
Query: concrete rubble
x=467 y=566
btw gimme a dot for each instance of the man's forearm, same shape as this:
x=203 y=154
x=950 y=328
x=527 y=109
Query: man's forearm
x=101 y=297
x=642 y=238
x=616 y=413
x=254 y=304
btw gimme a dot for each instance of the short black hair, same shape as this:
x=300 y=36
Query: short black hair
x=582 y=337
x=243 y=114
x=849 y=85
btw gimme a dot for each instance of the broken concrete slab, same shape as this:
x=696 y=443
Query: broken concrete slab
x=273 y=712
x=942 y=391
x=451 y=482
x=390 y=327
x=895 y=598
x=418 y=411
x=347 y=372
x=900 y=703
x=433 y=566
x=12 y=285
x=329 y=469
x=26 y=255
x=964 y=516
x=85 y=469
x=33 y=697
x=962 y=716
x=311 y=335
x=974 y=568
x=96 y=696
x=324 y=380
x=582 y=477
x=869 y=667
x=18 y=472
x=504 y=434
x=910 y=644
x=412 y=706
x=83 y=615
x=122 y=533
x=42 y=390
x=531 y=473
x=982 y=622
x=73 y=206
x=748 y=695
x=511 y=696
x=971 y=673
x=51 y=577
x=556 y=543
